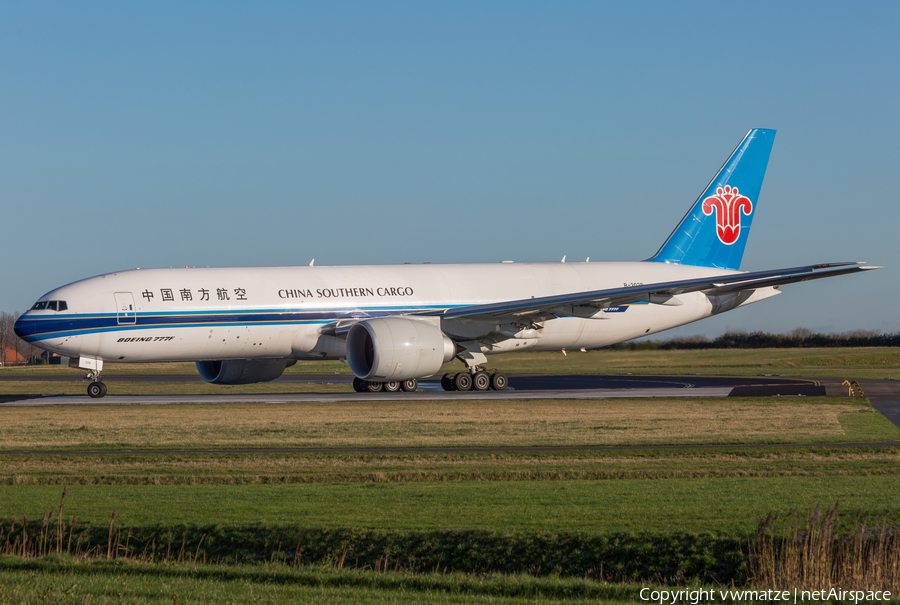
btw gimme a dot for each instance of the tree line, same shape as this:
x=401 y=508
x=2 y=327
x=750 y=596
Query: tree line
x=796 y=338
x=14 y=350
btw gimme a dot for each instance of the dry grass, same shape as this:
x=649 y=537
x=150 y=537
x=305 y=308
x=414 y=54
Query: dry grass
x=53 y=536
x=455 y=466
x=818 y=556
x=436 y=424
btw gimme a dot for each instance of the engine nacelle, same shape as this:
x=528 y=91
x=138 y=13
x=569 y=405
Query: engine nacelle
x=396 y=348
x=242 y=371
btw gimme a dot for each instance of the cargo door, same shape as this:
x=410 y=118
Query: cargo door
x=125 y=311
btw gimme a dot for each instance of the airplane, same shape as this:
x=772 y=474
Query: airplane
x=396 y=324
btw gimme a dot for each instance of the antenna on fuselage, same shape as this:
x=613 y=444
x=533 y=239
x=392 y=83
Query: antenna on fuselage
x=312 y=262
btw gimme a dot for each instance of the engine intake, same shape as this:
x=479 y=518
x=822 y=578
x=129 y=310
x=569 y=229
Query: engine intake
x=397 y=348
x=242 y=371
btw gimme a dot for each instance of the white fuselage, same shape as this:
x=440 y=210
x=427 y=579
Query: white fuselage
x=278 y=312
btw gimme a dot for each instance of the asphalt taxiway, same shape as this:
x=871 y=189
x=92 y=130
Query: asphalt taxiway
x=592 y=386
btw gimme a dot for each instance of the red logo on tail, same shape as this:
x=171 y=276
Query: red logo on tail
x=728 y=205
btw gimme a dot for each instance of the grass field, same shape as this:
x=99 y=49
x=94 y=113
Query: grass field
x=604 y=493
x=596 y=491
x=724 y=505
x=62 y=580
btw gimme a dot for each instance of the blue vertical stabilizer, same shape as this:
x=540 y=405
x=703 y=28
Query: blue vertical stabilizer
x=715 y=230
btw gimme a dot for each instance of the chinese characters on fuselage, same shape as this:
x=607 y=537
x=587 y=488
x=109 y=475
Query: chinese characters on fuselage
x=187 y=295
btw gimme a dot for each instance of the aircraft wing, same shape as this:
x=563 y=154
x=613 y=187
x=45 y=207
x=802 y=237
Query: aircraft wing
x=660 y=293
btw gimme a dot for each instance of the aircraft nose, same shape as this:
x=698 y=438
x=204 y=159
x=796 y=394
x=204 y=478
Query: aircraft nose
x=23 y=327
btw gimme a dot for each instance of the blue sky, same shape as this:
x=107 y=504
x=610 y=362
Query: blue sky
x=217 y=134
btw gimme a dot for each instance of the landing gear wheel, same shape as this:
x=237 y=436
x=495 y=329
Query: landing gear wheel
x=410 y=385
x=447 y=382
x=392 y=386
x=481 y=381
x=359 y=385
x=96 y=390
x=499 y=382
x=462 y=382
x=373 y=386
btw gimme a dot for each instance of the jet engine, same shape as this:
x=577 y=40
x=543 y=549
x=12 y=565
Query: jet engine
x=397 y=348
x=242 y=371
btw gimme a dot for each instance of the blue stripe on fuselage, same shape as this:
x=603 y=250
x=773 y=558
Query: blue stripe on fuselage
x=43 y=327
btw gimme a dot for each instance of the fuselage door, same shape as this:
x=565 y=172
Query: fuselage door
x=125 y=311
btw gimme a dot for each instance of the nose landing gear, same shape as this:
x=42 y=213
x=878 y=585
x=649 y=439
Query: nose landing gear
x=96 y=389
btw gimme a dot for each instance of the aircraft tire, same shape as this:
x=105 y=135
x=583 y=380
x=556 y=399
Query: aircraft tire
x=103 y=386
x=462 y=382
x=96 y=390
x=392 y=386
x=359 y=384
x=499 y=381
x=447 y=382
x=481 y=381
x=373 y=386
x=409 y=386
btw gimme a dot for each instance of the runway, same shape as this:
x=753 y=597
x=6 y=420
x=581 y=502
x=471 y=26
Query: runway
x=516 y=381
x=522 y=387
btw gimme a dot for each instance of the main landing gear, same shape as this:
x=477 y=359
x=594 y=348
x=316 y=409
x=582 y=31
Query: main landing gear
x=479 y=380
x=476 y=381
x=96 y=389
x=372 y=386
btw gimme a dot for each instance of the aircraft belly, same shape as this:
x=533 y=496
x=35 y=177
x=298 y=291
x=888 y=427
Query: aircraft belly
x=193 y=344
x=635 y=321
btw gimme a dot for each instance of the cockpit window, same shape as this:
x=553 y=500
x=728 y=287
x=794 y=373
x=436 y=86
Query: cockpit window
x=52 y=305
